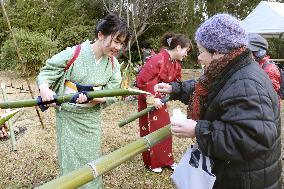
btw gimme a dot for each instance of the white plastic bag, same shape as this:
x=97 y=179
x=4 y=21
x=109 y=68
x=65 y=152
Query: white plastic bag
x=194 y=171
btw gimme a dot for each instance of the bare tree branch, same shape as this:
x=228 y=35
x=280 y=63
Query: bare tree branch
x=143 y=13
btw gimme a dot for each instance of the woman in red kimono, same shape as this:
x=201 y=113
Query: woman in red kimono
x=162 y=67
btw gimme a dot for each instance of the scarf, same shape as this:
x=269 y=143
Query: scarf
x=197 y=101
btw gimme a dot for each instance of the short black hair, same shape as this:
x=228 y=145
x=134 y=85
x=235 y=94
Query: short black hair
x=145 y=44
x=112 y=25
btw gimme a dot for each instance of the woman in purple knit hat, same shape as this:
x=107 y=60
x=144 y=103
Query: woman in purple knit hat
x=233 y=110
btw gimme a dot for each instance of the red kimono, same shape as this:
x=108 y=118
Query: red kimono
x=273 y=73
x=159 y=68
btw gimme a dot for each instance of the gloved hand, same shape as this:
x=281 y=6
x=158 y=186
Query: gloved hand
x=81 y=98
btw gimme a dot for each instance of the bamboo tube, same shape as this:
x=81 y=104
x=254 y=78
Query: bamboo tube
x=10 y=124
x=140 y=114
x=108 y=162
x=67 y=98
x=6 y=116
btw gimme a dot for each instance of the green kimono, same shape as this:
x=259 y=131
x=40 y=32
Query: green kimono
x=78 y=128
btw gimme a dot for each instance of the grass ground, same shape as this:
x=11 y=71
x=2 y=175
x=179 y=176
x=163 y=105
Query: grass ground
x=34 y=163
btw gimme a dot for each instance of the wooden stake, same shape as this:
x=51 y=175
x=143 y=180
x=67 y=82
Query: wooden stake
x=10 y=124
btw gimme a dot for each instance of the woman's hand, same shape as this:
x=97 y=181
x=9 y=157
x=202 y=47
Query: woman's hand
x=158 y=103
x=81 y=99
x=46 y=94
x=184 y=128
x=151 y=100
x=163 y=88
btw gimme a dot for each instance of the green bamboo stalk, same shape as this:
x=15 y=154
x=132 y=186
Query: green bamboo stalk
x=67 y=98
x=6 y=116
x=135 y=116
x=140 y=114
x=10 y=124
x=108 y=162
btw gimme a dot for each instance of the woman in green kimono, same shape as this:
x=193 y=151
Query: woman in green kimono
x=88 y=66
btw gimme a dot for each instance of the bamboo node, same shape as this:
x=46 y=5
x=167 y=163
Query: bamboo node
x=148 y=141
x=93 y=167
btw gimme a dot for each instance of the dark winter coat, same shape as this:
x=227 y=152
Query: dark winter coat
x=240 y=129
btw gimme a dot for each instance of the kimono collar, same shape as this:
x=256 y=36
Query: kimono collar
x=166 y=54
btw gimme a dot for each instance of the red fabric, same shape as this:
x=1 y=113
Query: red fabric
x=159 y=68
x=272 y=71
x=76 y=54
x=152 y=52
x=200 y=91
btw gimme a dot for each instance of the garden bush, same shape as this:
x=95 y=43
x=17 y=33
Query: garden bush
x=34 y=47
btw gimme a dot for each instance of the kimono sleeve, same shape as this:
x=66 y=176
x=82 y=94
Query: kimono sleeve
x=54 y=67
x=148 y=75
x=274 y=74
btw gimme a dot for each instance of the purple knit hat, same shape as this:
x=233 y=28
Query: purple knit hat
x=221 y=33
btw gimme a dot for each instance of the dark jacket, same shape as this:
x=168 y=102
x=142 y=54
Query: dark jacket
x=240 y=129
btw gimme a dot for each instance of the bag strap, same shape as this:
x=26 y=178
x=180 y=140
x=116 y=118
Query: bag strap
x=204 y=165
x=75 y=56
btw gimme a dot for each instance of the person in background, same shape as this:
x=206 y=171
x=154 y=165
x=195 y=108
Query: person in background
x=258 y=45
x=78 y=123
x=146 y=50
x=233 y=110
x=162 y=67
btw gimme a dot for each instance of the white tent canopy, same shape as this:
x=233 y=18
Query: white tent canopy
x=266 y=19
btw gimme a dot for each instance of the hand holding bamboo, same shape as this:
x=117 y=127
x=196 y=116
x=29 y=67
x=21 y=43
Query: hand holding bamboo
x=67 y=98
x=140 y=114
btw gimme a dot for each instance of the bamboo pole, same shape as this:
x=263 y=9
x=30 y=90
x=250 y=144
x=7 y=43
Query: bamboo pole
x=67 y=98
x=108 y=162
x=10 y=124
x=20 y=59
x=17 y=116
x=6 y=116
x=140 y=114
